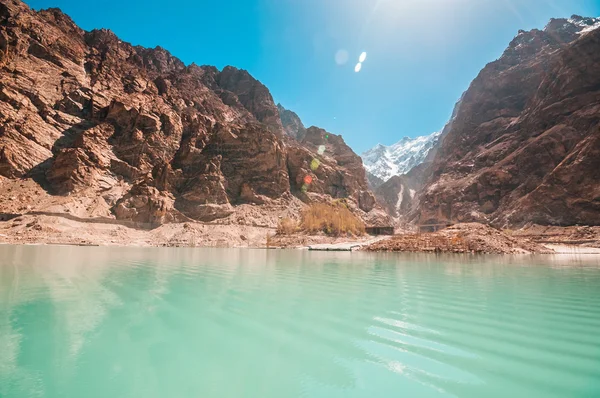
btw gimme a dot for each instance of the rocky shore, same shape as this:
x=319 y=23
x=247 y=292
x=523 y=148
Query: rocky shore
x=482 y=239
x=461 y=238
x=69 y=230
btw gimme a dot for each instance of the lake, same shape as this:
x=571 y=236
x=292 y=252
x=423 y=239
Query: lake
x=153 y=322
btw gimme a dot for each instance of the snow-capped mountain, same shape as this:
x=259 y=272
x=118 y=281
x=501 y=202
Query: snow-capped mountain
x=387 y=161
x=585 y=24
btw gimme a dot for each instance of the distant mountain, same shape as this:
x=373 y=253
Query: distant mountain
x=385 y=162
x=399 y=194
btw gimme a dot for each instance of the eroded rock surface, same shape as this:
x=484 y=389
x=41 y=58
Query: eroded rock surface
x=292 y=125
x=84 y=113
x=524 y=145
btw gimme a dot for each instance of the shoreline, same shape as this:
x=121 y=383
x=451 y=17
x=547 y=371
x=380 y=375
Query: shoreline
x=563 y=250
x=33 y=229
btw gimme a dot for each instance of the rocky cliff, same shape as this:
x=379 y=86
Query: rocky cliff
x=86 y=115
x=524 y=144
x=399 y=195
x=292 y=125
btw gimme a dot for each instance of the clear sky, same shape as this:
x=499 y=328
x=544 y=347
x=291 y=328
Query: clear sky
x=421 y=54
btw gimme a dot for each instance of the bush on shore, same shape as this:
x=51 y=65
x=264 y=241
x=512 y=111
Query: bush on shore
x=287 y=226
x=331 y=218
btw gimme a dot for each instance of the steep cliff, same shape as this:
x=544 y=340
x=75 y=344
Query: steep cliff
x=400 y=194
x=524 y=144
x=292 y=125
x=86 y=115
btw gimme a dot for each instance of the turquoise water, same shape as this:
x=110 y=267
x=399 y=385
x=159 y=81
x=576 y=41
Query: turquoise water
x=106 y=322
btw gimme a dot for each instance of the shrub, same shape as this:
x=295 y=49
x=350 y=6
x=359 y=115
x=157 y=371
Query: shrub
x=333 y=219
x=286 y=226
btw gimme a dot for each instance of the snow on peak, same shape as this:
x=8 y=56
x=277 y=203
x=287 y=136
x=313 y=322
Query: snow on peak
x=589 y=28
x=582 y=25
x=388 y=161
x=582 y=21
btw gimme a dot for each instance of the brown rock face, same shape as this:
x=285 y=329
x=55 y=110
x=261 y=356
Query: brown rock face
x=292 y=125
x=83 y=112
x=146 y=204
x=570 y=193
x=374 y=181
x=399 y=194
x=523 y=146
x=253 y=95
x=333 y=168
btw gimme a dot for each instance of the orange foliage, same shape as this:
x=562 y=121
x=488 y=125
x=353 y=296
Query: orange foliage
x=332 y=219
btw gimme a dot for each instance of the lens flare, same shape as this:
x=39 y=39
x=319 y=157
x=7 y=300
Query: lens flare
x=358 y=67
x=341 y=57
x=362 y=57
x=304 y=188
x=314 y=165
x=308 y=180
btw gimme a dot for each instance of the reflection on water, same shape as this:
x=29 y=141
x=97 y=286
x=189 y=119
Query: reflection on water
x=100 y=322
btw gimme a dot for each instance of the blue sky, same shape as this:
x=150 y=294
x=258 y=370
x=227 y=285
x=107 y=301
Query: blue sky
x=422 y=54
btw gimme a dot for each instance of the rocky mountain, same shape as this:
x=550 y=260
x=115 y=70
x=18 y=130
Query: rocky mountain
x=95 y=127
x=386 y=161
x=525 y=143
x=110 y=129
x=374 y=181
x=292 y=125
x=398 y=194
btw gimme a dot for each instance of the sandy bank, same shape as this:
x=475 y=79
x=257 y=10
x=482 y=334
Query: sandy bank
x=461 y=238
x=66 y=230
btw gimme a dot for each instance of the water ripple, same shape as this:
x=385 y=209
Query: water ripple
x=230 y=323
